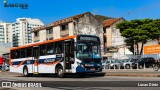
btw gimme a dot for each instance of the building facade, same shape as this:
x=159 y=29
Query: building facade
x=85 y=23
x=114 y=45
x=5 y=37
x=21 y=30
x=5 y=33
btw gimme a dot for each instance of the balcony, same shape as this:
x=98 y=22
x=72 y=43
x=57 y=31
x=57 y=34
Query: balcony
x=64 y=33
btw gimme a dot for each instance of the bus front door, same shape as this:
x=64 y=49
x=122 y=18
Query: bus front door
x=35 y=58
x=68 y=55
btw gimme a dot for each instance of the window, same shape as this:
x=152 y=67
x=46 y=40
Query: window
x=58 y=47
x=22 y=53
x=15 y=54
x=64 y=27
x=36 y=34
x=50 y=48
x=29 y=52
x=49 y=31
x=43 y=49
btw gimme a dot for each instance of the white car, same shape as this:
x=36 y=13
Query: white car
x=105 y=64
x=115 y=64
x=127 y=63
x=112 y=64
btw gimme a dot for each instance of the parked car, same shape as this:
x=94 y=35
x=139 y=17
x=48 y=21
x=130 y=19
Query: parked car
x=105 y=64
x=115 y=64
x=148 y=61
x=112 y=63
x=127 y=63
x=156 y=66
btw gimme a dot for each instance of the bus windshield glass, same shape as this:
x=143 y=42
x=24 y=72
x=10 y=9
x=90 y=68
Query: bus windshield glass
x=88 y=50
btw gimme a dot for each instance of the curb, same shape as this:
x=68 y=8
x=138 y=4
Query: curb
x=134 y=75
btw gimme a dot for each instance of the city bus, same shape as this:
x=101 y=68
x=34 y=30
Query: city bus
x=78 y=54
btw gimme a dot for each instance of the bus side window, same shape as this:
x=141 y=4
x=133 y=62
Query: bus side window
x=13 y=54
x=58 y=48
x=50 y=48
x=17 y=54
x=29 y=52
x=23 y=53
x=43 y=49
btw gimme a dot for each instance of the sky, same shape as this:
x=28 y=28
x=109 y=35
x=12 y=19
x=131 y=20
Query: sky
x=51 y=10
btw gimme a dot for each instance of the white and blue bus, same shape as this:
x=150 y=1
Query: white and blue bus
x=72 y=54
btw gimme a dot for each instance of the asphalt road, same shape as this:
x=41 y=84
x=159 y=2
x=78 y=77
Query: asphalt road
x=89 y=82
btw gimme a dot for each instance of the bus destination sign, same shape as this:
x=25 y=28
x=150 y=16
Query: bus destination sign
x=88 y=38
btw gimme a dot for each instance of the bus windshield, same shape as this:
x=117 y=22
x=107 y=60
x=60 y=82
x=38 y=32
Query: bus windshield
x=88 y=50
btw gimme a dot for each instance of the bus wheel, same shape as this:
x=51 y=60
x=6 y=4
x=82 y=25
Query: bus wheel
x=60 y=72
x=25 y=72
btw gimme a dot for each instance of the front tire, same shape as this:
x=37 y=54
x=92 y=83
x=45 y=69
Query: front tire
x=127 y=66
x=156 y=67
x=25 y=72
x=140 y=67
x=107 y=67
x=60 y=72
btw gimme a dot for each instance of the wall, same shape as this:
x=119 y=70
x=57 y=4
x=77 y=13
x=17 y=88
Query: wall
x=88 y=24
x=71 y=28
x=109 y=36
x=114 y=39
x=56 y=32
x=42 y=35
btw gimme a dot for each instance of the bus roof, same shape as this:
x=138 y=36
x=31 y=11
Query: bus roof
x=41 y=43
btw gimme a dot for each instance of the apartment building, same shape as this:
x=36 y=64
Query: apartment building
x=114 y=45
x=21 y=30
x=5 y=37
x=5 y=33
x=84 y=23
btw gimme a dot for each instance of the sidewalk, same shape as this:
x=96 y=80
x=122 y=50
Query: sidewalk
x=149 y=72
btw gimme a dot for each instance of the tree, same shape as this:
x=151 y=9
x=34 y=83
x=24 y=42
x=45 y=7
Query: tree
x=136 y=31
